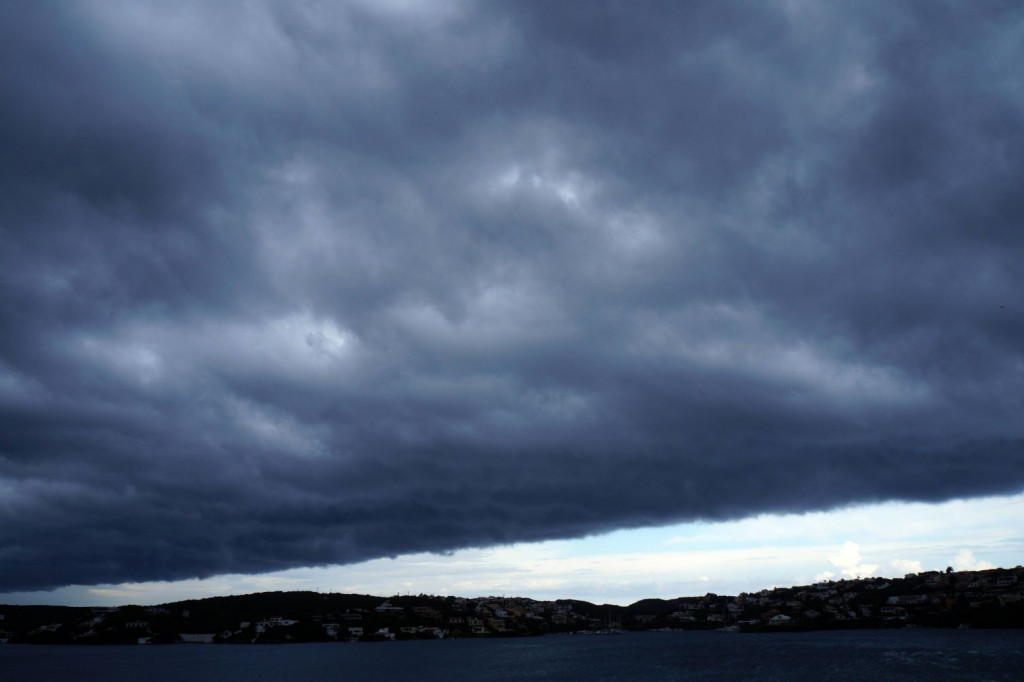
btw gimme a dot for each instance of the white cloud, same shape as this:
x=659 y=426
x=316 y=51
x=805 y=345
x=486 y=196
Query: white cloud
x=966 y=561
x=848 y=561
x=905 y=566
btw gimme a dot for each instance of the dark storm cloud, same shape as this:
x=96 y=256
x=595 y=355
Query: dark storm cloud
x=286 y=286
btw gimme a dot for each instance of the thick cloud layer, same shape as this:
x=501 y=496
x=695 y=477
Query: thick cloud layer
x=289 y=285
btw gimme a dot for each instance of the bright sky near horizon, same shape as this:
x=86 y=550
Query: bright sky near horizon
x=671 y=561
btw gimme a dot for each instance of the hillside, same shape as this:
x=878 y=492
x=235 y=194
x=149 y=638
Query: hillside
x=993 y=599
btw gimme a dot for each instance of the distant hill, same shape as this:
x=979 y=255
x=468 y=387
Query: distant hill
x=992 y=598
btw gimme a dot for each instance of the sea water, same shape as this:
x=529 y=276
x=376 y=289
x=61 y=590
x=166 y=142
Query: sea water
x=835 y=656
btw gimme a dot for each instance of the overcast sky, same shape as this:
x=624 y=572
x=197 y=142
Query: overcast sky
x=286 y=285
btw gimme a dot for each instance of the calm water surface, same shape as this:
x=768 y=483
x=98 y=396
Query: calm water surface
x=856 y=655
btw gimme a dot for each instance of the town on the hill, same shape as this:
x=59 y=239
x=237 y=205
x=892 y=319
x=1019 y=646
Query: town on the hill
x=982 y=599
